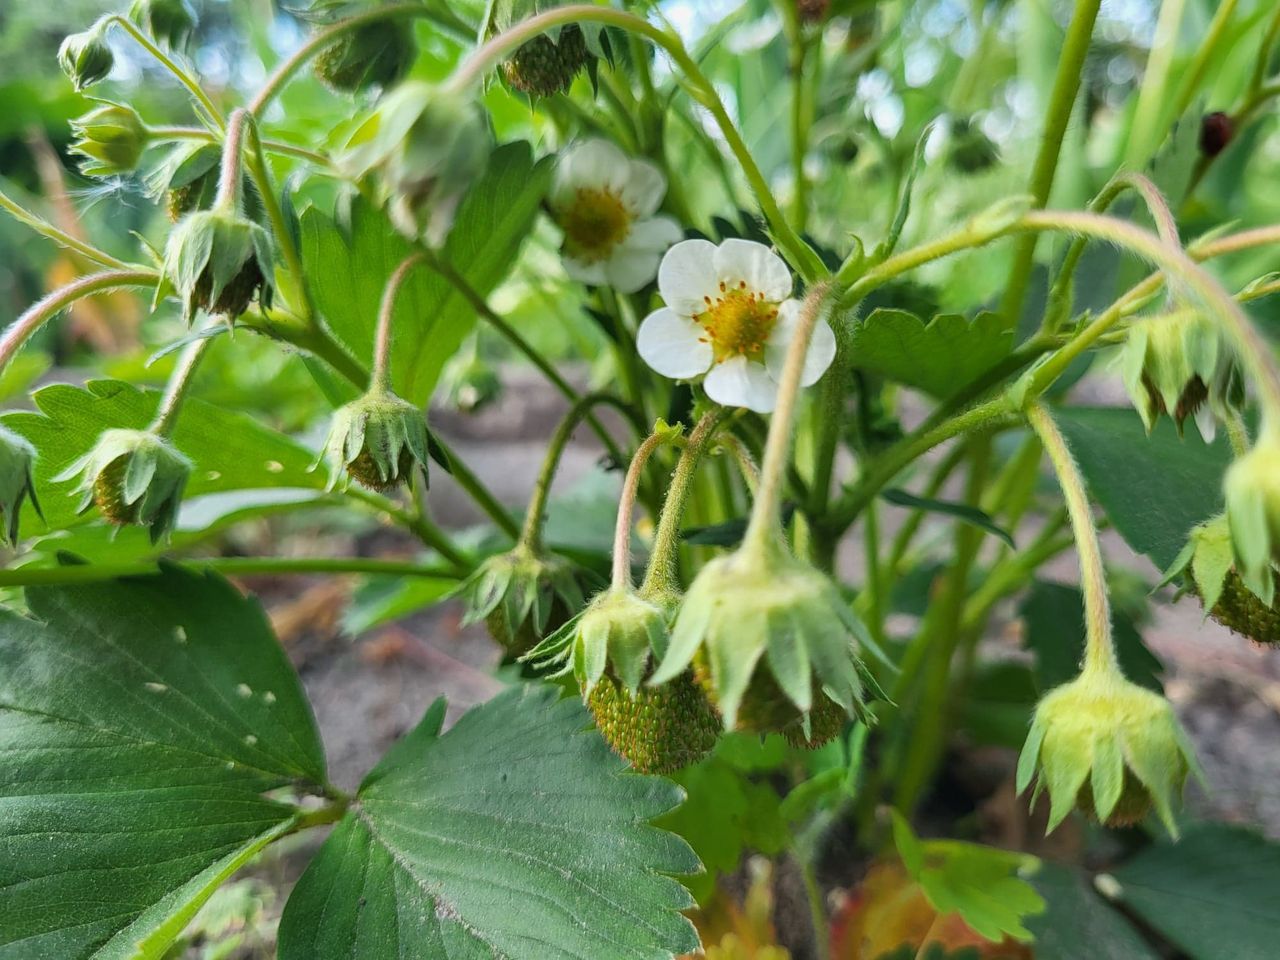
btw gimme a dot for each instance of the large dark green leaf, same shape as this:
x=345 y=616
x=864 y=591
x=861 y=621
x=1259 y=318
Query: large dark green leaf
x=231 y=451
x=938 y=357
x=1216 y=894
x=1077 y=918
x=141 y=723
x=1054 y=616
x=1154 y=489
x=347 y=270
x=516 y=834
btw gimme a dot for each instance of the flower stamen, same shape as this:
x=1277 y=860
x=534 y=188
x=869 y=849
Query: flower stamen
x=738 y=323
x=594 y=223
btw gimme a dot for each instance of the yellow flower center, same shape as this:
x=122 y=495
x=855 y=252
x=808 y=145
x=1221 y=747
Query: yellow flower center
x=738 y=323
x=594 y=223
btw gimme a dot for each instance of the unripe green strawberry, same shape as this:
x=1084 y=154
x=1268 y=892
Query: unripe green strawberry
x=108 y=494
x=1240 y=609
x=377 y=54
x=657 y=729
x=526 y=634
x=523 y=596
x=217 y=261
x=543 y=67
x=376 y=440
x=827 y=721
x=1132 y=807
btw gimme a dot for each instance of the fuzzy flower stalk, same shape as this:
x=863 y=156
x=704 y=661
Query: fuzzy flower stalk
x=1100 y=744
x=218 y=260
x=771 y=638
x=528 y=593
x=379 y=439
x=612 y=646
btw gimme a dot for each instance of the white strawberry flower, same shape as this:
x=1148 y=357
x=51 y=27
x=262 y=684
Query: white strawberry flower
x=606 y=204
x=729 y=315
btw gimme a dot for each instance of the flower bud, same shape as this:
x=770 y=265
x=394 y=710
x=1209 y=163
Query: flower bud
x=522 y=596
x=133 y=477
x=427 y=145
x=377 y=54
x=377 y=440
x=217 y=261
x=17 y=460
x=111 y=138
x=85 y=57
x=1109 y=748
x=171 y=22
x=769 y=636
x=1252 y=489
x=970 y=150
x=1182 y=364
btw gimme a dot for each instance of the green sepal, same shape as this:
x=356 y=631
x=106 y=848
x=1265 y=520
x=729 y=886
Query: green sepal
x=133 y=477
x=111 y=137
x=211 y=258
x=17 y=463
x=1252 y=491
x=374 y=438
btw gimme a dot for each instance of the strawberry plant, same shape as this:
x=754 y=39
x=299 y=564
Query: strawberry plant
x=835 y=289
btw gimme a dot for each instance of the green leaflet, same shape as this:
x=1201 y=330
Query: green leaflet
x=347 y=269
x=134 y=755
x=515 y=834
x=939 y=357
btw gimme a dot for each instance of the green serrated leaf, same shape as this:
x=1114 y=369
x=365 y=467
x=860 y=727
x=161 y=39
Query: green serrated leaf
x=135 y=751
x=348 y=270
x=1154 y=489
x=939 y=357
x=71 y=418
x=1076 y=915
x=516 y=834
x=1215 y=894
x=961 y=511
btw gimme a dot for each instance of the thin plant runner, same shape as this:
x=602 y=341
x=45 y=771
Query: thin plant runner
x=827 y=371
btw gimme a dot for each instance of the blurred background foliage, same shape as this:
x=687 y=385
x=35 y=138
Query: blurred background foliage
x=965 y=81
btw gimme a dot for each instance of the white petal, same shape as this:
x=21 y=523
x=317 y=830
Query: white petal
x=629 y=269
x=737 y=382
x=673 y=345
x=763 y=270
x=591 y=273
x=644 y=188
x=594 y=164
x=822 y=345
x=656 y=234
x=687 y=276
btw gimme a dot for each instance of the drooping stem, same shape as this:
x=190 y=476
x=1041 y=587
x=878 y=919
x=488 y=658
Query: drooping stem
x=800 y=254
x=765 y=526
x=257 y=164
x=661 y=575
x=1062 y=99
x=381 y=376
x=35 y=316
x=60 y=237
x=1099 y=648
x=531 y=534
x=621 y=579
x=229 y=566
x=230 y=176
x=169 y=133
x=169 y=64
x=179 y=383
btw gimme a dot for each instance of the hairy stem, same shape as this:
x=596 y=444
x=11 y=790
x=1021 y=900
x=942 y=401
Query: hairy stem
x=169 y=64
x=765 y=526
x=229 y=178
x=381 y=376
x=35 y=316
x=179 y=383
x=1062 y=99
x=621 y=579
x=661 y=576
x=1099 y=649
x=60 y=237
